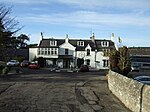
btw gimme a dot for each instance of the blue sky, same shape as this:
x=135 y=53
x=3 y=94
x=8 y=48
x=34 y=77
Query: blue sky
x=129 y=19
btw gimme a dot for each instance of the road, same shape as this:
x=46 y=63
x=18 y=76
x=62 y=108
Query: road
x=45 y=91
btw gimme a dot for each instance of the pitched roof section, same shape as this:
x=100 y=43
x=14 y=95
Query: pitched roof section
x=82 y=48
x=46 y=42
x=94 y=46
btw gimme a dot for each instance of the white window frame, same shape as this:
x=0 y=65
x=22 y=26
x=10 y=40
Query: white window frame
x=47 y=51
x=80 y=43
x=105 y=44
x=105 y=63
x=42 y=51
x=53 y=43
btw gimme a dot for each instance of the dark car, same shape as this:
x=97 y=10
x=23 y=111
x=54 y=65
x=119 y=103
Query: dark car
x=84 y=68
x=34 y=65
x=143 y=79
x=24 y=63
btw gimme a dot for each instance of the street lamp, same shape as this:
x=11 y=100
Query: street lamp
x=95 y=57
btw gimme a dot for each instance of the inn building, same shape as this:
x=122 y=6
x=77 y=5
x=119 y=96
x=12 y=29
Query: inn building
x=67 y=52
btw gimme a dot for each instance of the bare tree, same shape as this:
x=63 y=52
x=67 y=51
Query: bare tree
x=8 y=27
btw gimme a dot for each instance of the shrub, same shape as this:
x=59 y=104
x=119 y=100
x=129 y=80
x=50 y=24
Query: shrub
x=1 y=68
x=5 y=71
x=119 y=61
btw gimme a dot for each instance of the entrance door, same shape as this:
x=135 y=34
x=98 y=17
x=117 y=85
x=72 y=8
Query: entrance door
x=66 y=64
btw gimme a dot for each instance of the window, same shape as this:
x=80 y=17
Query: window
x=42 y=51
x=104 y=43
x=66 y=51
x=52 y=51
x=47 y=51
x=53 y=43
x=88 y=52
x=80 y=43
x=106 y=52
x=88 y=62
x=105 y=63
x=55 y=51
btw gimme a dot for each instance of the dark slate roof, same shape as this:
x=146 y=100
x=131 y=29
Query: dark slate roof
x=96 y=45
x=111 y=45
x=139 y=51
x=82 y=48
x=46 y=42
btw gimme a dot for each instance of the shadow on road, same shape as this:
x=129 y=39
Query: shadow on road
x=44 y=75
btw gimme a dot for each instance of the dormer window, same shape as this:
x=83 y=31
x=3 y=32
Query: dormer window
x=80 y=43
x=53 y=43
x=105 y=44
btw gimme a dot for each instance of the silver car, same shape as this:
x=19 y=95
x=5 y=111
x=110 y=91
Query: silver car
x=12 y=63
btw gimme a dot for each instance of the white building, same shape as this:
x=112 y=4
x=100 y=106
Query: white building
x=67 y=53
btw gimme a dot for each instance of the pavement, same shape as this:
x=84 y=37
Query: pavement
x=44 y=91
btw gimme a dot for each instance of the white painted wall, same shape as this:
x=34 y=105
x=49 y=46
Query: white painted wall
x=71 y=49
x=80 y=54
x=48 y=56
x=91 y=57
x=32 y=53
x=99 y=59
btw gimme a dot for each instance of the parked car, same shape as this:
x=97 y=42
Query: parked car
x=24 y=63
x=143 y=79
x=12 y=63
x=34 y=65
x=84 y=68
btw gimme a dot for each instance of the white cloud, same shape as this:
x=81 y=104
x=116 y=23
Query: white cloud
x=95 y=4
x=88 y=4
x=87 y=18
x=26 y=2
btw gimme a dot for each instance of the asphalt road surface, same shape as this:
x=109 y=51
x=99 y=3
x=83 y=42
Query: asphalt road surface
x=45 y=91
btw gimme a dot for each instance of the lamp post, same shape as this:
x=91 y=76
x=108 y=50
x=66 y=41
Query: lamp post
x=95 y=57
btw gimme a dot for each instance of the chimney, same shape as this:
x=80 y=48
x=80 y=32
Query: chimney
x=66 y=39
x=112 y=37
x=41 y=35
x=93 y=38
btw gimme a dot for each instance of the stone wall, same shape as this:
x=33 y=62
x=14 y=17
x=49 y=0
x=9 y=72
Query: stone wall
x=133 y=94
x=146 y=99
